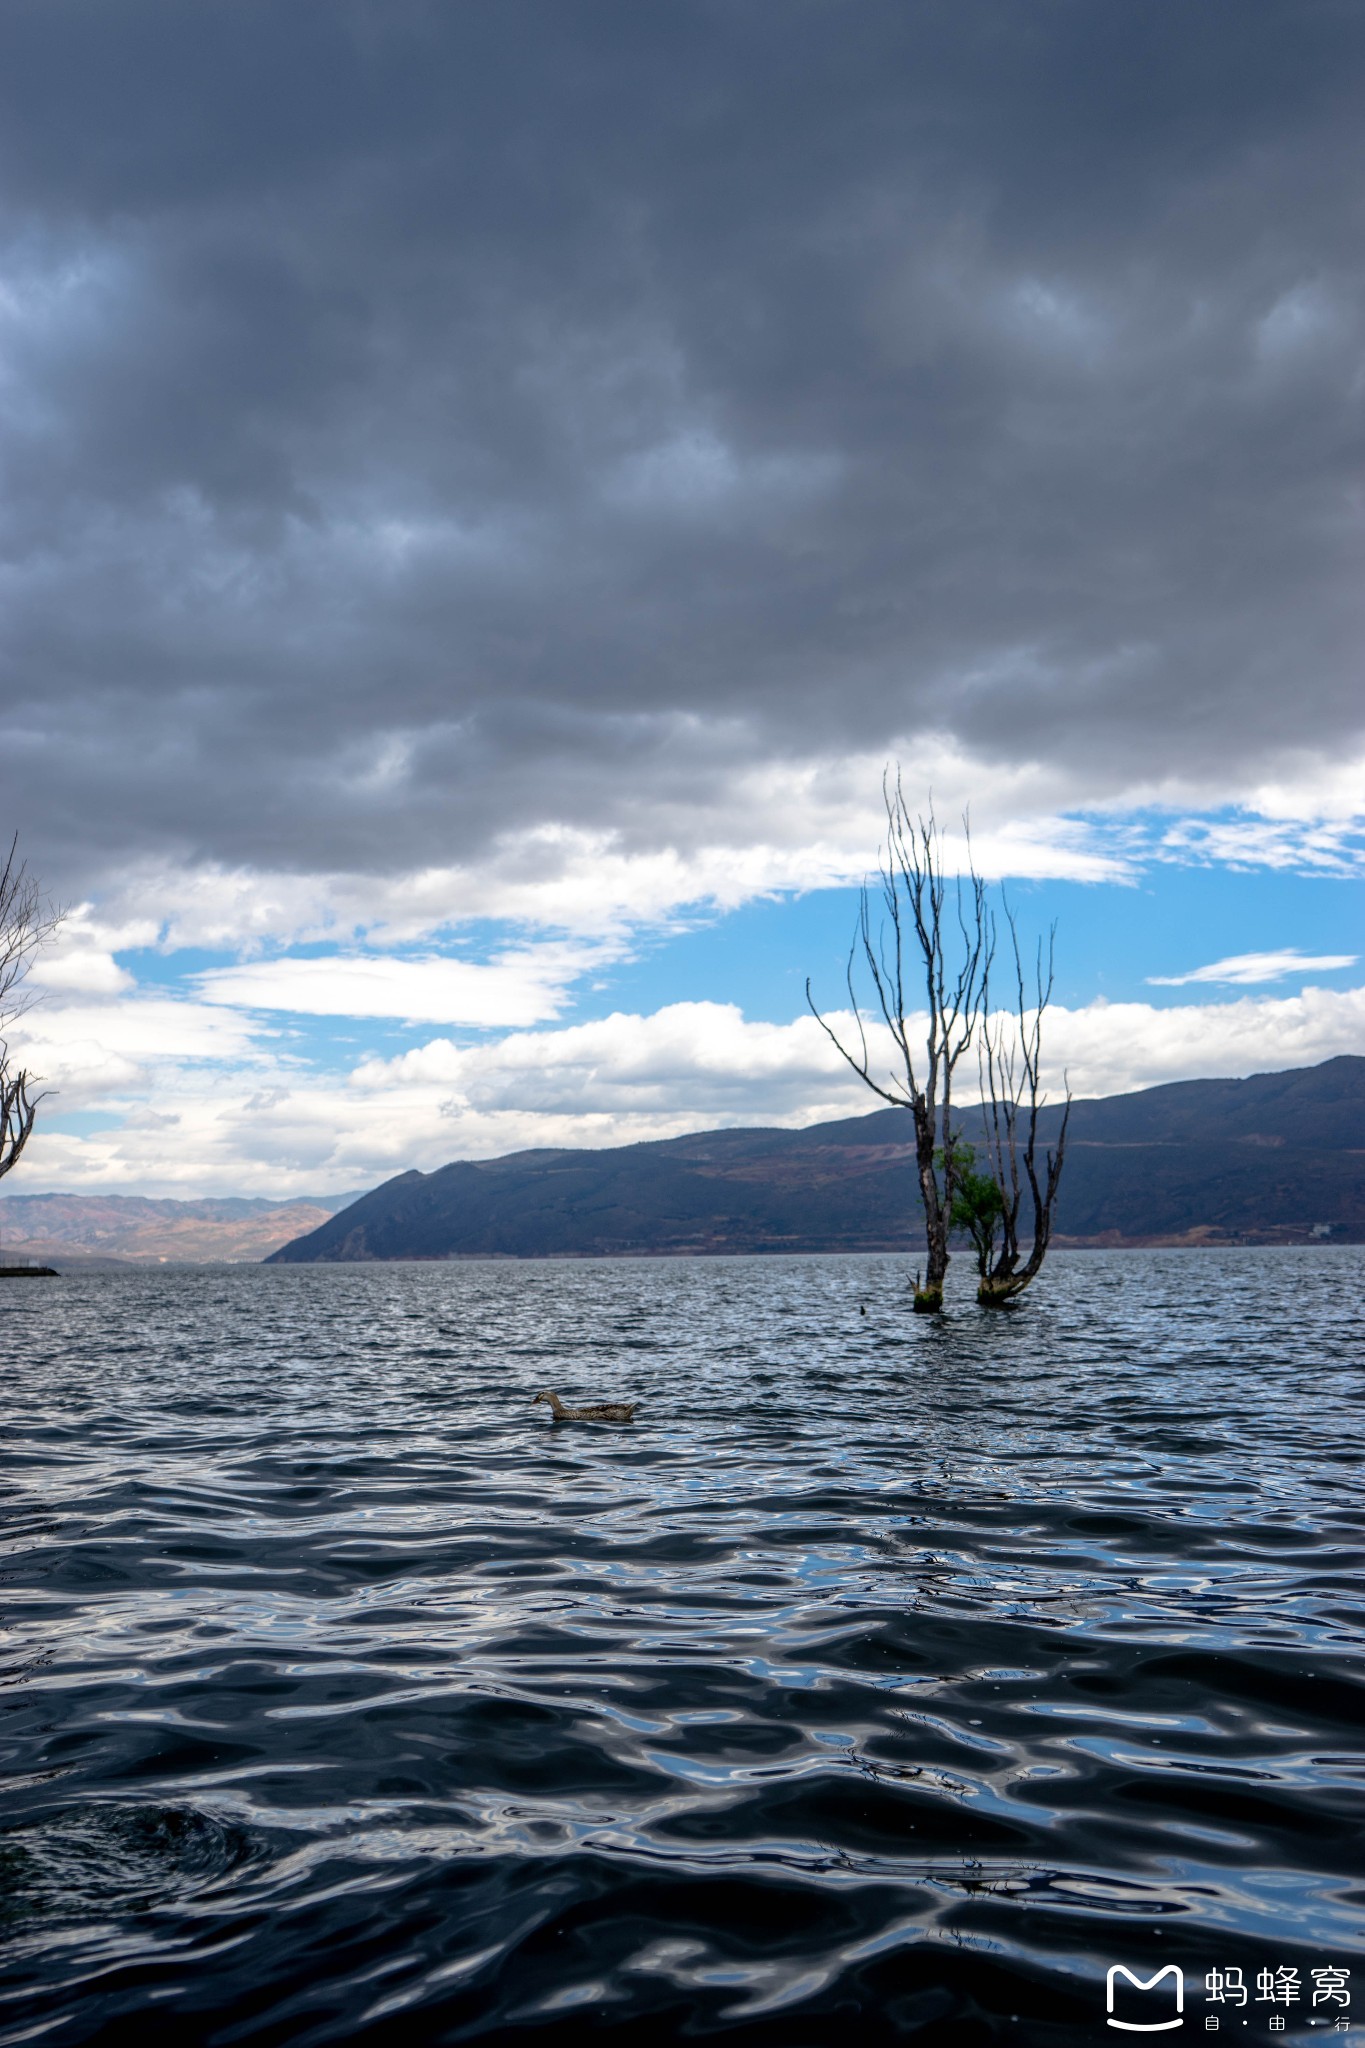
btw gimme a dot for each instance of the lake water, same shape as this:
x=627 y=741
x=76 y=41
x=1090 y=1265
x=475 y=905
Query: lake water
x=886 y=1679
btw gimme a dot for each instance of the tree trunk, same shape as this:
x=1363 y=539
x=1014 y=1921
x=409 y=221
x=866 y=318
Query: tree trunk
x=917 y=946
x=1008 y=1278
x=929 y=1296
x=1011 y=1094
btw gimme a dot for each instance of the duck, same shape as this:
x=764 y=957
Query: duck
x=596 y=1411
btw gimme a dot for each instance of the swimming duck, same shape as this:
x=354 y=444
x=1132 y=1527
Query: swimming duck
x=598 y=1411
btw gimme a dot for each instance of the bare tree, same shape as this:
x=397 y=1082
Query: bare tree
x=1010 y=1054
x=923 y=939
x=942 y=937
x=26 y=920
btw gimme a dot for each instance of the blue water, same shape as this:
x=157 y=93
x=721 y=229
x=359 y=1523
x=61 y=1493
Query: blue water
x=888 y=1678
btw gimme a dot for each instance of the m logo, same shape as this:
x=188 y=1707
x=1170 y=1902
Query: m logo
x=1145 y=1984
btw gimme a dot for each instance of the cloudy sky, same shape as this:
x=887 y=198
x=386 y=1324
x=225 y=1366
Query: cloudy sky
x=485 y=490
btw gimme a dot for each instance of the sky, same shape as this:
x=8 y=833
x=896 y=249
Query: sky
x=486 y=491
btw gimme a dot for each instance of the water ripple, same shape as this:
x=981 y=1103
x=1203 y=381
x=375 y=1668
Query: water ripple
x=886 y=1673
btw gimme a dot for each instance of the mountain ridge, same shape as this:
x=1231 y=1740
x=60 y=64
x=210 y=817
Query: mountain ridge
x=147 y=1229
x=1274 y=1158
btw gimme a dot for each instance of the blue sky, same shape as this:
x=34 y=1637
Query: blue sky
x=1110 y=939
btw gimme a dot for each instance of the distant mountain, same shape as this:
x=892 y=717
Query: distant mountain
x=239 y=1228
x=1277 y=1159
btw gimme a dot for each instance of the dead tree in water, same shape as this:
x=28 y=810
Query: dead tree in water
x=943 y=948
x=1009 y=1050
x=26 y=920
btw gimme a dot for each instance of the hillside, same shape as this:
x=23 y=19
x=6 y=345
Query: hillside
x=1276 y=1159
x=73 y=1228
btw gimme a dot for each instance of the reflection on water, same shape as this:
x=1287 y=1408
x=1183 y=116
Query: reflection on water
x=884 y=1679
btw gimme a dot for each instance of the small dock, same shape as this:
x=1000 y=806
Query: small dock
x=26 y=1269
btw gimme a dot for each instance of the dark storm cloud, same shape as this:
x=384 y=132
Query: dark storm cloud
x=418 y=420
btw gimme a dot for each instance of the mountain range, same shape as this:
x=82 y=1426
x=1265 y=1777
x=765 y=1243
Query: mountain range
x=1275 y=1159
x=113 y=1229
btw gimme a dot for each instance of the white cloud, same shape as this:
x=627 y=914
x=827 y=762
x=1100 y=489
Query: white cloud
x=695 y=1060
x=82 y=970
x=521 y=986
x=1248 y=969
x=783 y=827
x=1327 y=847
x=86 y=1051
x=78 y=960
x=791 y=827
x=1310 y=789
x=704 y=1062
x=615 y=1081
x=1110 y=1048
